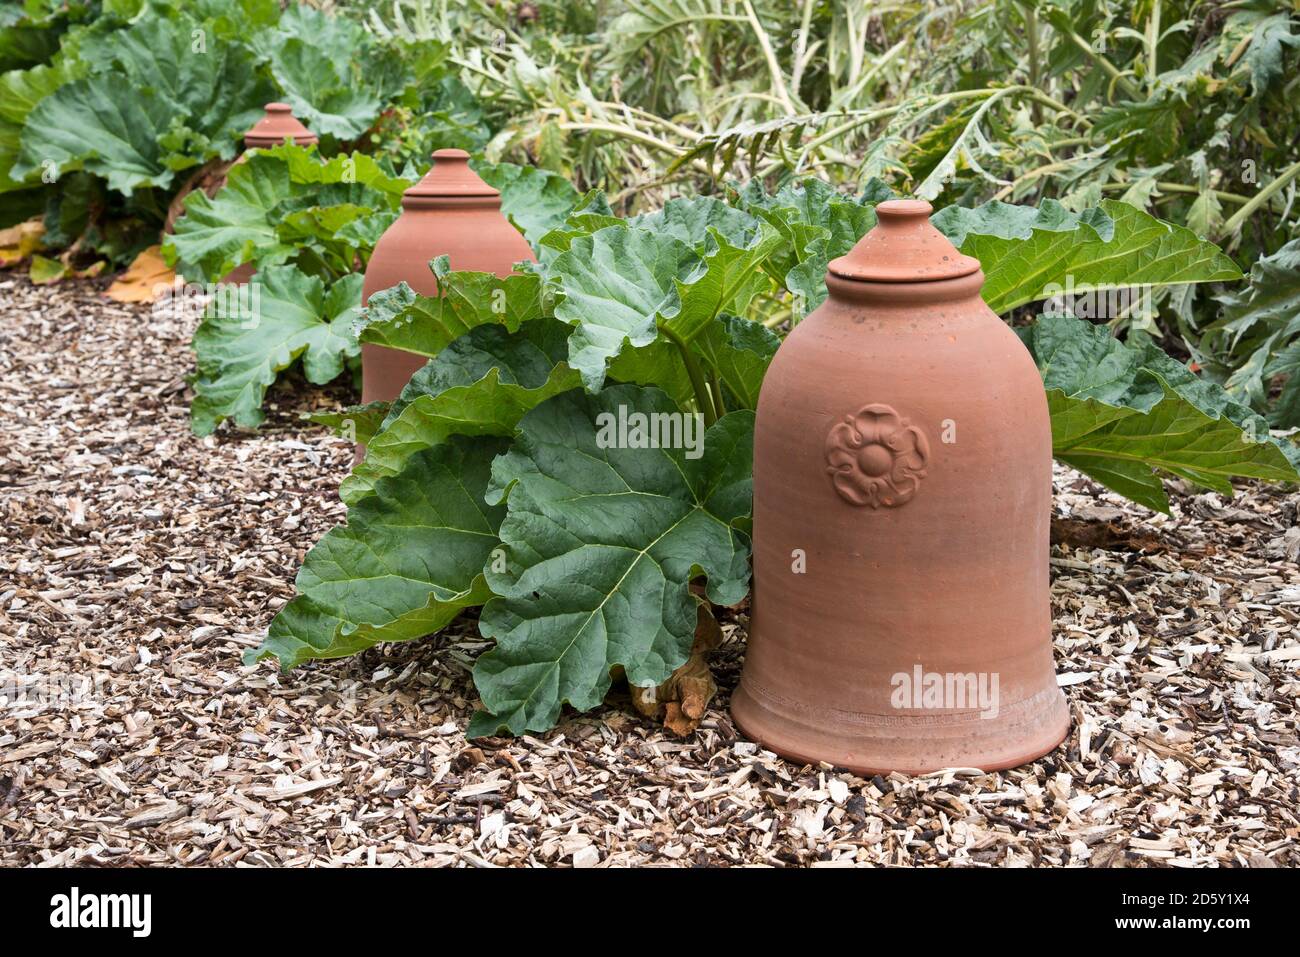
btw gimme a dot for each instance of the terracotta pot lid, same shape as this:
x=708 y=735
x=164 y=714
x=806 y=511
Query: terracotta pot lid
x=903 y=247
x=450 y=176
x=275 y=125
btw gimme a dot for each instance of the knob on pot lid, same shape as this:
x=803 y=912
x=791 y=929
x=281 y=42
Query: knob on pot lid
x=450 y=176
x=903 y=247
x=277 y=124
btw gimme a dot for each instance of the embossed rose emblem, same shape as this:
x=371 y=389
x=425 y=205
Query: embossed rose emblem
x=876 y=457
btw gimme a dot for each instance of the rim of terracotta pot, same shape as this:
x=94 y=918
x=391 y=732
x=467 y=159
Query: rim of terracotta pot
x=885 y=293
x=276 y=125
x=450 y=183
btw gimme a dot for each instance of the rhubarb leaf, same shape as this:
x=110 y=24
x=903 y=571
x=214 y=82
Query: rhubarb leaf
x=280 y=201
x=407 y=562
x=816 y=224
x=618 y=283
x=183 y=107
x=535 y=200
x=215 y=88
x=732 y=244
x=234 y=226
x=591 y=213
x=481 y=384
x=1029 y=253
x=251 y=333
x=740 y=350
x=85 y=125
x=20 y=91
x=322 y=96
x=1123 y=413
x=601 y=545
x=400 y=318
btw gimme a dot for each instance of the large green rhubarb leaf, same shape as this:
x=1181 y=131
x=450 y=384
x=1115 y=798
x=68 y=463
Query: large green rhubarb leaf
x=601 y=544
x=252 y=333
x=535 y=200
x=740 y=350
x=342 y=38
x=409 y=560
x=481 y=384
x=591 y=213
x=234 y=226
x=88 y=125
x=322 y=91
x=816 y=224
x=279 y=201
x=402 y=319
x=1124 y=413
x=184 y=107
x=658 y=364
x=732 y=244
x=214 y=86
x=307 y=166
x=1030 y=253
x=618 y=283
x=30 y=31
x=20 y=91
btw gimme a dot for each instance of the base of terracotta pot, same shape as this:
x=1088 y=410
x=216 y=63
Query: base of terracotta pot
x=905 y=742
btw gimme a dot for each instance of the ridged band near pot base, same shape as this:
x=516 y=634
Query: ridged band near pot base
x=1021 y=732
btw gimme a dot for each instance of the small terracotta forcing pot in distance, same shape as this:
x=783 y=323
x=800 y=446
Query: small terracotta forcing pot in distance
x=902 y=504
x=450 y=212
x=276 y=125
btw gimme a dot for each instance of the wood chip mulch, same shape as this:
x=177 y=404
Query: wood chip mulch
x=137 y=562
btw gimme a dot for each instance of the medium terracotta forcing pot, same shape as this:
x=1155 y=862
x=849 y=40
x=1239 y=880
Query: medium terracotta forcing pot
x=902 y=503
x=276 y=125
x=450 y=212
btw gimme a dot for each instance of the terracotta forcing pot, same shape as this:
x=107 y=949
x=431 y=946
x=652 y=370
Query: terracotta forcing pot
x=902 y=503
x=276 y=125
x=450 y=212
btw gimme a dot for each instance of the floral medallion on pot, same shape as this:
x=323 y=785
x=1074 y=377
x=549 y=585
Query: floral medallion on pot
x=876 y=457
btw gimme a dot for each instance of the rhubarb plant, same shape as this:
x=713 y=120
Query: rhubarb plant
x=312 y=224
x=308 y=226
x=591 y=559
x=287 y=204
x=110 y=111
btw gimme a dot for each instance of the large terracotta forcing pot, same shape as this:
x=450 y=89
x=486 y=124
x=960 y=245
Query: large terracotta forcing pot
x=276 y=125
x=902 y=502
x=451 y=212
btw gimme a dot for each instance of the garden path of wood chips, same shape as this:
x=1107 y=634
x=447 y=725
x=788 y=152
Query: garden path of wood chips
x=137 y=562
